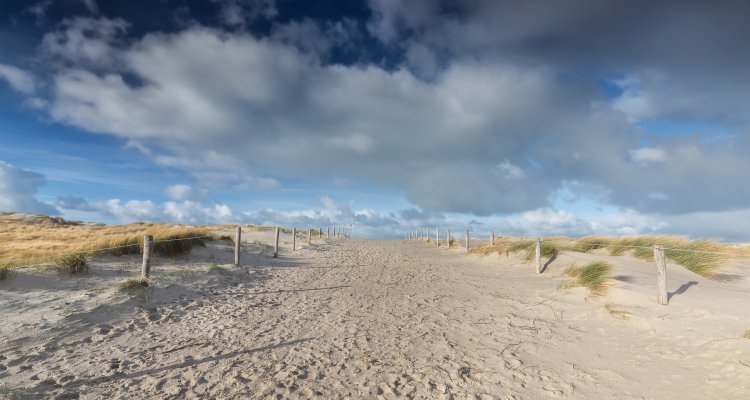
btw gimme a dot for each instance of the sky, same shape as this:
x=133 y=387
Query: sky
x=573 y=117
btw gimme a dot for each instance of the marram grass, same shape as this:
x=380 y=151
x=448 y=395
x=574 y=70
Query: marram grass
x=594 y=275
x=42 y=240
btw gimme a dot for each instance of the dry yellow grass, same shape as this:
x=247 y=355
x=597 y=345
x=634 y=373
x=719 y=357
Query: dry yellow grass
x=40 y=239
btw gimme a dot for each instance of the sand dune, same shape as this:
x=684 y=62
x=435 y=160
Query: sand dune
x=370 y=319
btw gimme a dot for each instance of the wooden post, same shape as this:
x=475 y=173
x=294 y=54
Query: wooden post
x=294 y=239
x=538 y=255
x=328 y=232
x=437 y=237
x=148 y=245
x=661 y=274
x=309 y=236
x=320 y=233
x=492 y=238
x=237 y=241
x=467 y=240
x=448 y=235
x=276 y=246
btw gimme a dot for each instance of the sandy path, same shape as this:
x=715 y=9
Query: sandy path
x=358 y=319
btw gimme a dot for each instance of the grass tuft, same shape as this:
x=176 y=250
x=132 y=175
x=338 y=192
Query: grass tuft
x=589 y=243
x=746 y=335
x=594 y=275
x=72 y=263
x=132 y=286
x=4 y=272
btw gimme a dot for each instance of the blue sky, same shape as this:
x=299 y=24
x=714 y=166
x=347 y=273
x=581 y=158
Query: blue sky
x=385 y=115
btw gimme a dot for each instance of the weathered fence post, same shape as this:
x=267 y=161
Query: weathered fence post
x=492 y=238
x=448 y=235
x=276 y=246
x=538 y=255
x=661 y=274
x=294 y=239
x=237 y=241
x=320 y=233
x=467 y=240
x=328 y=232
x=309 y=236
x=148 y=245
x=437 y=236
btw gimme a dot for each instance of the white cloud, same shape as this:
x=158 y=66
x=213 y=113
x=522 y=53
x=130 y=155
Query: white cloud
x=648 y=155
x=18 y=188
x=509 y=171
x=356 y=142
x=185 y=192
x=18 y=79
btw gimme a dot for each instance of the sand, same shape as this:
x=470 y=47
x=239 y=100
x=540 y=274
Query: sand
x=370 y=319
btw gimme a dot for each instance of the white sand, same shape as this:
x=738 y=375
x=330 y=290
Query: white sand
x=369 y=319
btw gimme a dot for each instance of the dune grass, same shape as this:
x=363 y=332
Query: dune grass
x=699 y=256
x=4 y=272
x=508 y=245
x=746 y=335
x=130 y=284
x=35 y=240
x=72 y=263
x=594 y=275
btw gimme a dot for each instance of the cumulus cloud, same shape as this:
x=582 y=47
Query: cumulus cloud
x=18 y=79
x=182 y=192
x=18 y=188
x=470 y=85
x=648 y=155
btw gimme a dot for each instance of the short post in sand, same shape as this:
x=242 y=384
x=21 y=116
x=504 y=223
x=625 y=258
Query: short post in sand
x=294 y=239
x=320 y=233
x=437 y=237
x=148 y=245
x=237 y=241
x=448 y=236
x=661 y=274
x=492 y=238
x=276 y=246
x=467 y=240
x=538 y=255
x=309 y=236
x=328 y=232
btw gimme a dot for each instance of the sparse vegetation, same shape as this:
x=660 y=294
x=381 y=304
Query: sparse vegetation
x=594 y=275
x=588 y=243
x=41 y=240
x=746 y=335
x=507 y=245
x=215 y=268
x=699 y=256
x=4 y=272
x=130 y=285
x=616 y=312
x=73 y=263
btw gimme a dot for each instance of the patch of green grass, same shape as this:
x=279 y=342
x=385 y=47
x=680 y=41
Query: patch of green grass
x=588 y=243
x=616 y=312
x=72 y=263
x=215 y=268
x=594 y=275
x=130 y=285
x=4 y=272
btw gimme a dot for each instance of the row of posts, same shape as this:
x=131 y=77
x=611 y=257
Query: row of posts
x=148 y=245
x=660 y=258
